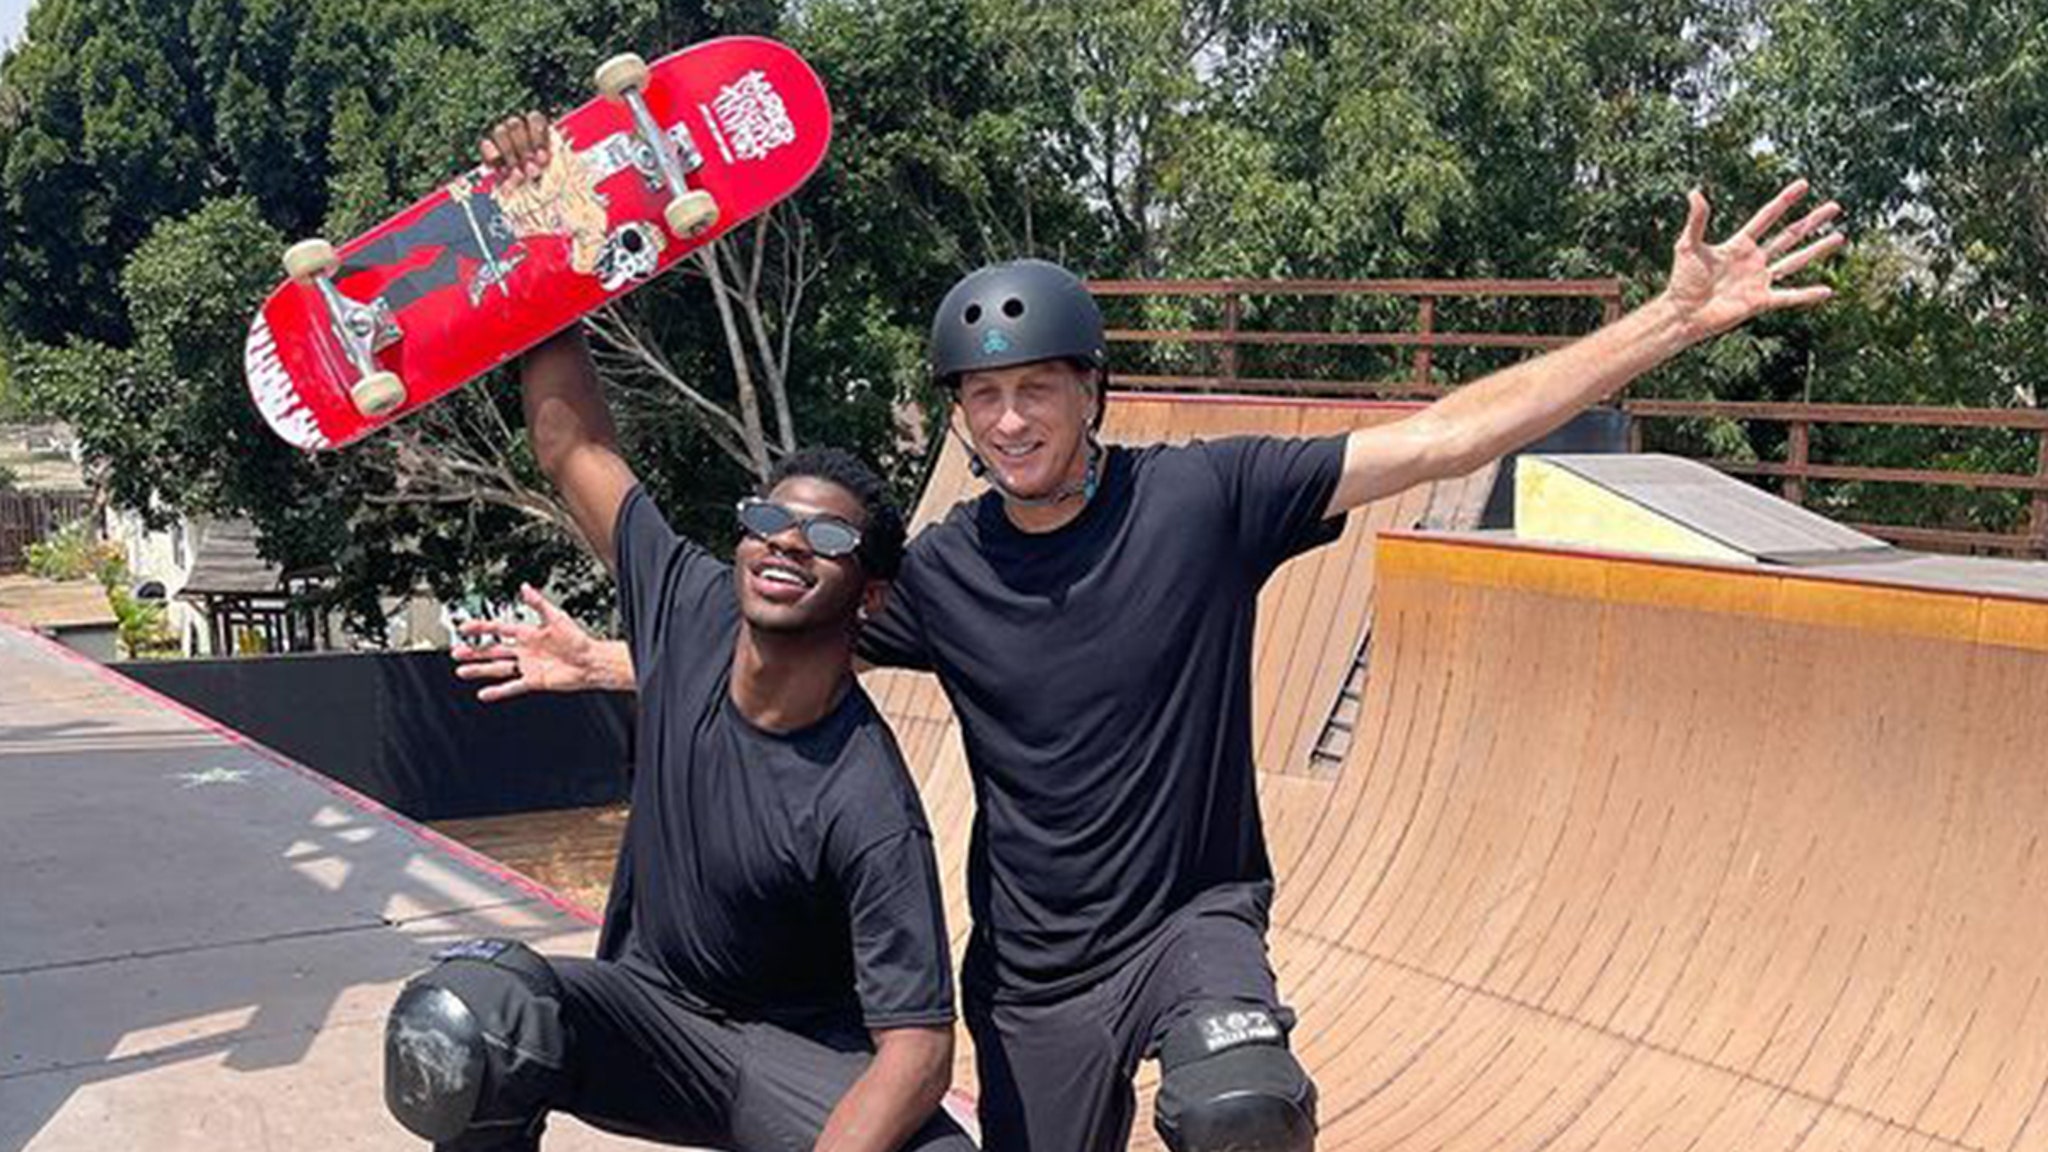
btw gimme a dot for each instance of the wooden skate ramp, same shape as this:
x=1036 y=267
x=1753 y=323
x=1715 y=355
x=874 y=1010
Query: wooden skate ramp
x=1627 y=854
x=1642 y=855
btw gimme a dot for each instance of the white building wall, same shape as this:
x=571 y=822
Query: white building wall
x=165 y=557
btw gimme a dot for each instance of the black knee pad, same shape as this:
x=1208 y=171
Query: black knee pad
x=476 y=1042
x=1229 y=1084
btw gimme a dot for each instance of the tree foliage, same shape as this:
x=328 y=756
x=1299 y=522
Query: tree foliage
x=154 y=157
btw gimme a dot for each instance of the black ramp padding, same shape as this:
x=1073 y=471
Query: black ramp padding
x=400 y=728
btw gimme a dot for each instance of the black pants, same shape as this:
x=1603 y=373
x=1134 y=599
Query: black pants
x=1056 y=1077
x=644 y=1064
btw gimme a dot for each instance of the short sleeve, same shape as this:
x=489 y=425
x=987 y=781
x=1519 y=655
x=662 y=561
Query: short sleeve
x=1278 y=490
x=667 y=583
x=902 y=970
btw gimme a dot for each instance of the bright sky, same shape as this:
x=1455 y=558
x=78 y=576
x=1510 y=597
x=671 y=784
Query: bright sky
x=13 y=14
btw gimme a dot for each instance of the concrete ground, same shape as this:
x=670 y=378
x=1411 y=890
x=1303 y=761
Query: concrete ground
x=199 y=938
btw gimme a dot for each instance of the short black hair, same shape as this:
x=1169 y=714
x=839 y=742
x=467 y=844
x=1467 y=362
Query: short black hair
x=881 y=537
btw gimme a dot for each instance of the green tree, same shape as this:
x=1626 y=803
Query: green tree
x=153 y=159
x=10 y=400
x=284 y=119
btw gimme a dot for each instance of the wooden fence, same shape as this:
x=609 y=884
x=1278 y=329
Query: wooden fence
x=27 y=517
x=1423 y=336
x=1799 y=468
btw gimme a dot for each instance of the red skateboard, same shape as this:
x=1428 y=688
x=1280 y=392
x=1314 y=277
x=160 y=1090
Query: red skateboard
x=670 y=156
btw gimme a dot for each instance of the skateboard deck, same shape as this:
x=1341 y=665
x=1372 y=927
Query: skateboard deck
x=471 y=276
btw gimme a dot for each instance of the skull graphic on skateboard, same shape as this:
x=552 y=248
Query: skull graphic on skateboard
x=670 y=156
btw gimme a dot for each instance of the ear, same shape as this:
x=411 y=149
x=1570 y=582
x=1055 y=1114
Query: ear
x=872 y=598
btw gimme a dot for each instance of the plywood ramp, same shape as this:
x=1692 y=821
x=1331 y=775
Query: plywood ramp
x=1647 y=856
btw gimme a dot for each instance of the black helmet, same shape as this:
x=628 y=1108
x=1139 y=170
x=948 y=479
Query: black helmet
x=1015 y=313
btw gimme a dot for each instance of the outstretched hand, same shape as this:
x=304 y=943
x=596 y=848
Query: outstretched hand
x=1715 y=287
x=555 y=655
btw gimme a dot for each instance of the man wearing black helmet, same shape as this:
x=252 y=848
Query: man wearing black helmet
x=1091 y=620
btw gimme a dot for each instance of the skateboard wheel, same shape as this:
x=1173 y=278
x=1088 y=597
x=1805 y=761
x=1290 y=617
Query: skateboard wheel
x=691 y=214
x=310 y=259
x=377 y=393
x=621 y=74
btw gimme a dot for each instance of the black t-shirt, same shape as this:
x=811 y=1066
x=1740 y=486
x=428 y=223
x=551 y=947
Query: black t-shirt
x=785 y=877
x=1102 y=676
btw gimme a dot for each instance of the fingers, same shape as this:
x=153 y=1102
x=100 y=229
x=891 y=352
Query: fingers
x=497 y=150
x=517 y=149
x=493 y=670
x=1696 y=213
x=537 y=137
x=1769 y=214
x=1790 y=236
x=540 y=604
x=490 y=633
x=1819 y=249
x=493 y=693
x=1801 y=297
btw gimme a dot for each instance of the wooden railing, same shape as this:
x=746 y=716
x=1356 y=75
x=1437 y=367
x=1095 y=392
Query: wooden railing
x=1798 y=467
x=1423 y=335
x=27 y=517
x=1424 y=377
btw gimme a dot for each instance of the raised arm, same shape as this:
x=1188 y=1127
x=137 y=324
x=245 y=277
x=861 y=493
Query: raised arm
x=1713 y=288
x=574 y=440
x=566 y=416
x=899 y=1091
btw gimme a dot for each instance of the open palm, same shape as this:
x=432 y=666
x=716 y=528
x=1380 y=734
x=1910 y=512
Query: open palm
x=555 y=655
x=1718 y=286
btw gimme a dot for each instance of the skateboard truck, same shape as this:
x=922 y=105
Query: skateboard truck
x=361 y=328
x=622 y=150
x=692 y=211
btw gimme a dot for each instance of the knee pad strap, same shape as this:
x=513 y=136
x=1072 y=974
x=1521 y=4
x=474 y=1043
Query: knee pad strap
x=1231 y=1085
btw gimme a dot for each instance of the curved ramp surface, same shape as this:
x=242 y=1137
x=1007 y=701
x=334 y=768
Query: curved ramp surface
x=1584 y=852
x=1643 y=855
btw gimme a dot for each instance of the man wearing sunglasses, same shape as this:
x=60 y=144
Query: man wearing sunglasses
x=773 y=970
x=1091 y=618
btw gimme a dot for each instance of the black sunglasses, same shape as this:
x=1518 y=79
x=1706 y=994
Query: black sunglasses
x=826 y=534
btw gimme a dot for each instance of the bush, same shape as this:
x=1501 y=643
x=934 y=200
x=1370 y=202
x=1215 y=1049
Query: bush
x=74 y=552
x=145 y=633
